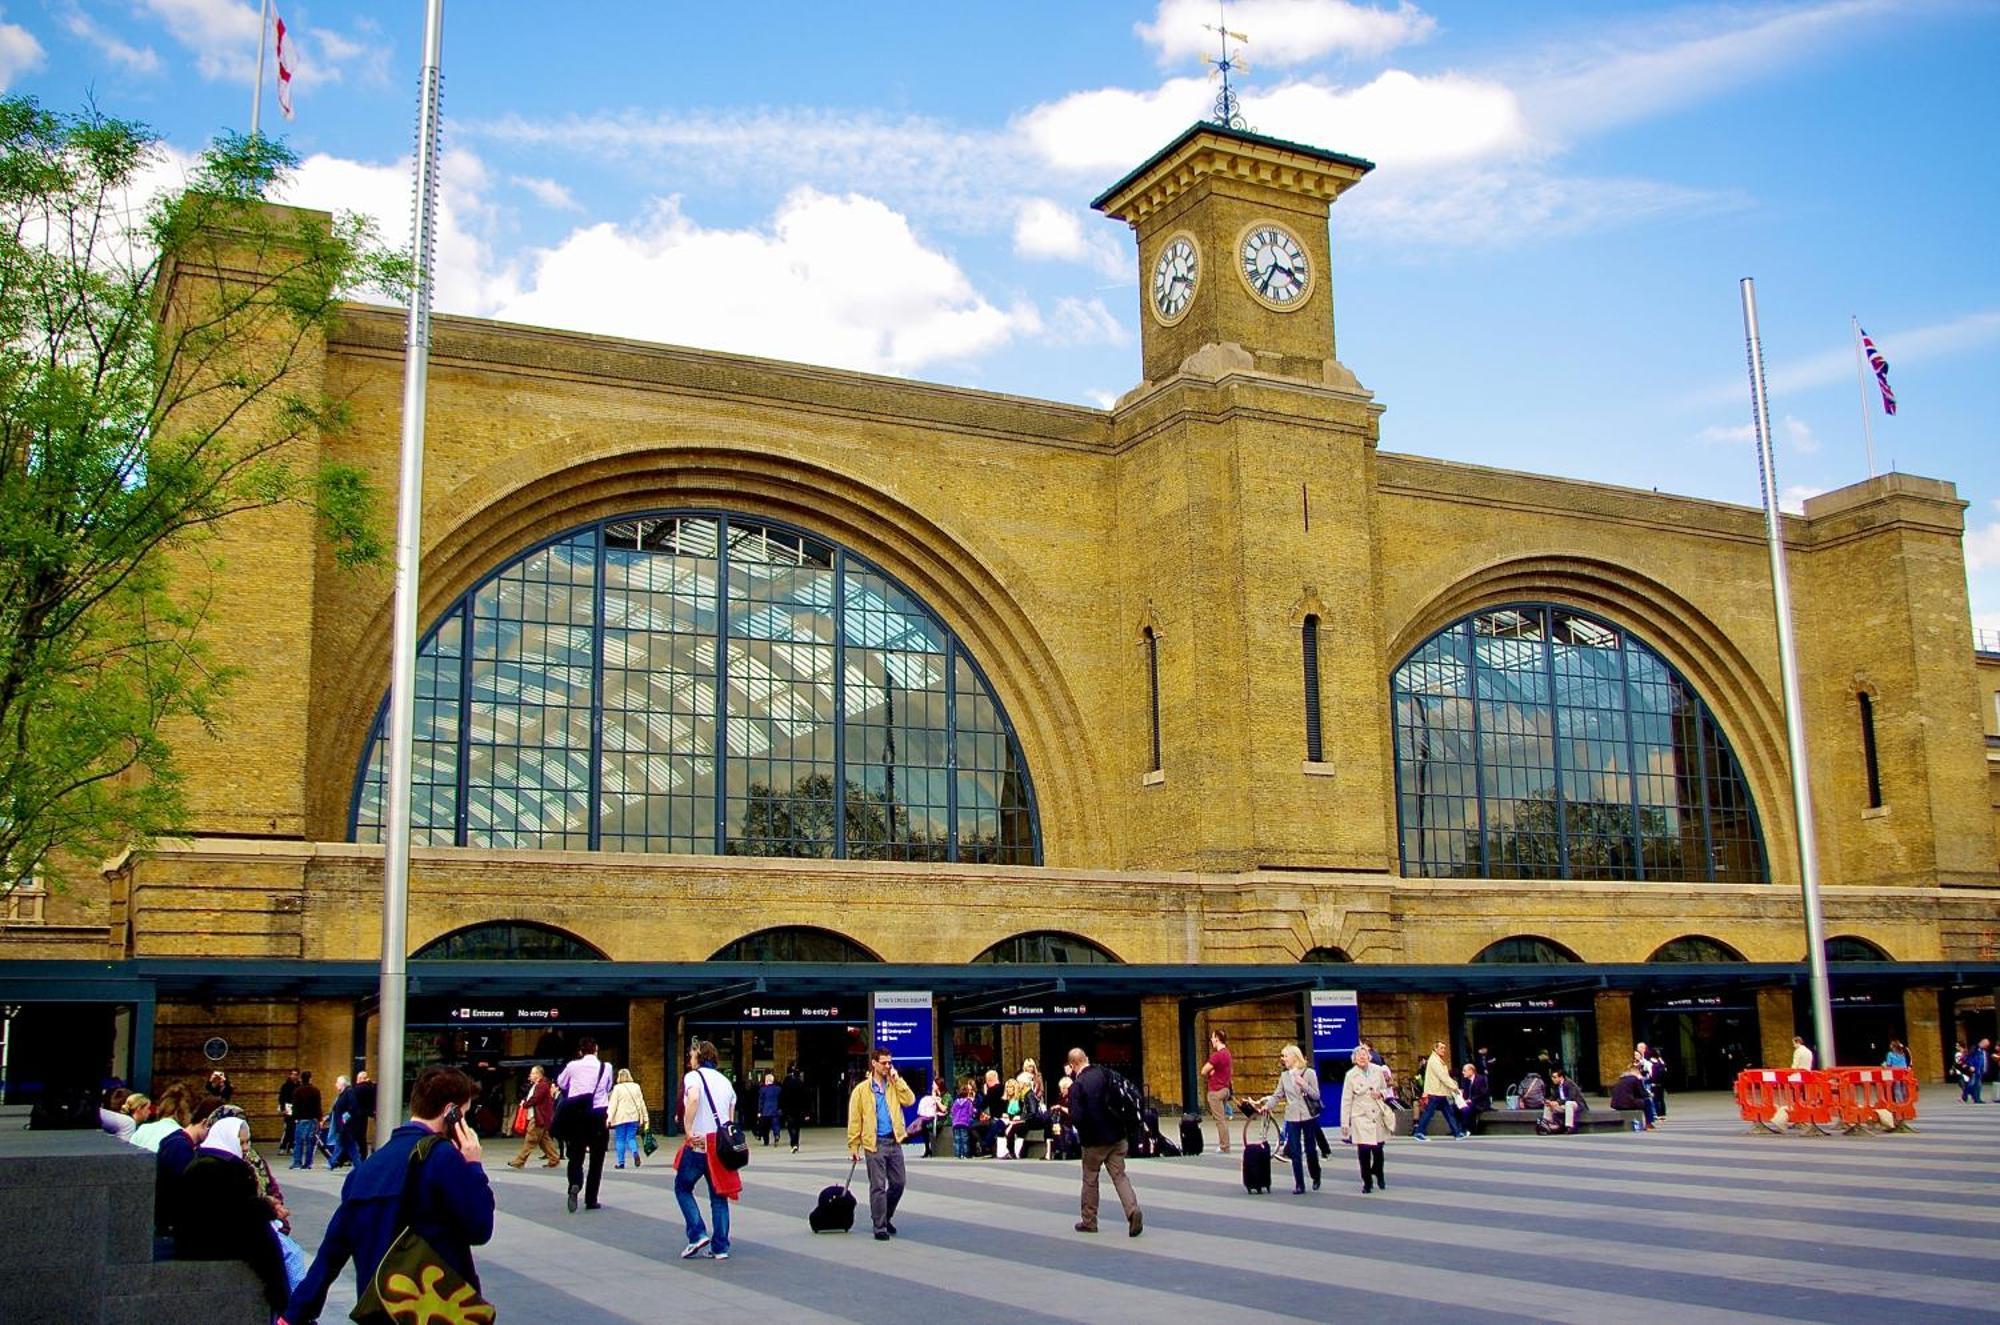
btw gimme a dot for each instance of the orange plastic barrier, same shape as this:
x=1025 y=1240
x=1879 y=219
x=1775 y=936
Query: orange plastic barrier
x=1779 y=1099
x=1874 y=1099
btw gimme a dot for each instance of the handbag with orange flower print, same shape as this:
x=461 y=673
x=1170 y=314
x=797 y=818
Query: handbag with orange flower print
x=414 y=1285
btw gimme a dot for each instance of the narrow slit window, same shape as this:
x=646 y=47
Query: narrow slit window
x=1868 y=750
x=1153 y=691
x=1315 y=751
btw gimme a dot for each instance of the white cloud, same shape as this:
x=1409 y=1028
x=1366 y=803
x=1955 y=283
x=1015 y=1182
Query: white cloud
x=1939 y=340
x=1045 y=230
x=1112 y=129
x=1101 y=399
x=19 y=53
x=1800 y=434
x=839 y=280
x=547 y=192
x=1792 y=500
x=224 y=37
x=1084 y=322
x=138 y=59
x=1679 y=61
x=1740 y=434
x=1399 y=119
x=1982 y=545
x=1284 y=32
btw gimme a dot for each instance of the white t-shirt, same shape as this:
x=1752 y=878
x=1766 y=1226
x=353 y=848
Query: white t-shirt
x=1802 y=1057
x=702 y=1121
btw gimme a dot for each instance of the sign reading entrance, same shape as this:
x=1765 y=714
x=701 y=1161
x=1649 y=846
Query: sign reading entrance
x=1336 y=1034
x=904 y=1025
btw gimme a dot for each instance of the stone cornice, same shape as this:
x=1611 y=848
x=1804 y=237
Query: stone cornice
x=1207 y=152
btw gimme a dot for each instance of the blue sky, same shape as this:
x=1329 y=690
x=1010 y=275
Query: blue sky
x=1540 y=275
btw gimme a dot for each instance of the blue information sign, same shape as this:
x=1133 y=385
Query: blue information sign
x=1336 y=1034
x=903 y=1024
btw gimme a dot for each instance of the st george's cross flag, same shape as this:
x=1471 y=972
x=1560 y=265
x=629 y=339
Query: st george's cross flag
x=285 y=75
x=1881 y=367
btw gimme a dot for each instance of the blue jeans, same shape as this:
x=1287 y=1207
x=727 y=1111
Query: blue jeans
x=625 y=1137
x=1304 y=1154
x=304 y=1132
x=1434 y=1105
x=689 y=1170
x=344 y=1149
x=1969 y=1090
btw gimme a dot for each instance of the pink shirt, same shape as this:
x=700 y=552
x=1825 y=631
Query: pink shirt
x=586 y=1076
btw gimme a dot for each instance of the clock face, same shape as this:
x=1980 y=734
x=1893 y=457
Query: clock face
x=1175 y=274
x=1274 y=266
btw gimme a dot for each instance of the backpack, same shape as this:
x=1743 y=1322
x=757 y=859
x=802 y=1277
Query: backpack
x=1123 y=1103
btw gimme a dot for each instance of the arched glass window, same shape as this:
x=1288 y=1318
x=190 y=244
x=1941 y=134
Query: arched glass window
x=1326 y=955
x=712 y=685
x=1309 y=645
x=1538 y=742
x=508 y=940
x=793 y=943
x=1525 y=950
x=1045 y=946
x=1847 y=948
x=1695 y=948
x=1153 y=692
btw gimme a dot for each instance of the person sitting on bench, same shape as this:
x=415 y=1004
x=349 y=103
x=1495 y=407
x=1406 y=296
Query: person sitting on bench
x=1565 y=1102
x=1629 y=1092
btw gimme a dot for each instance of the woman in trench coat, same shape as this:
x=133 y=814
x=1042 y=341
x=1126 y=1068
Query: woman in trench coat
x=1365 y=1120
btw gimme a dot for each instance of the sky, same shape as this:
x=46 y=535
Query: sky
x=1541 y=273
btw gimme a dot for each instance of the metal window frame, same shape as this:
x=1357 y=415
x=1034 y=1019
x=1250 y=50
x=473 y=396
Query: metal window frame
x=843 y=560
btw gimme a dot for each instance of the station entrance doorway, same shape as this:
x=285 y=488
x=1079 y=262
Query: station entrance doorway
x=1706 y=1038
x=496 y=1042
x=824 y=1039
x=1000 y=1037
x=1523 y=1035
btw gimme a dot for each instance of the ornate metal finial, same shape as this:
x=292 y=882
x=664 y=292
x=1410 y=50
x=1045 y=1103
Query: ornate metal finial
x=1228 y=111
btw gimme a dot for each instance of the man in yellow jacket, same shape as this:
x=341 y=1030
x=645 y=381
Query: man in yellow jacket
x=875 y=1128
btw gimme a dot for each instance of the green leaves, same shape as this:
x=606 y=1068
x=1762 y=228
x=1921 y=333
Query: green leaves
x=158 y=378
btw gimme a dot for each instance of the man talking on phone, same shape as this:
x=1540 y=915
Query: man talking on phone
x=450 y=1201
x=875 y=1128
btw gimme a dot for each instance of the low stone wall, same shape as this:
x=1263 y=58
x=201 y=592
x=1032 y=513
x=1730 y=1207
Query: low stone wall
x=77 y=1208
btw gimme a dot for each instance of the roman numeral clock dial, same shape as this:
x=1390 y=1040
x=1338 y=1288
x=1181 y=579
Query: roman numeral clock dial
x=1273 y=265
x=1176 y=272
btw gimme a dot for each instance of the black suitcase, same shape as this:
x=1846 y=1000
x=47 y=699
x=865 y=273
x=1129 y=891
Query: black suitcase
x=1190 y=1136
x=835 y=1211
x=1256 y=1162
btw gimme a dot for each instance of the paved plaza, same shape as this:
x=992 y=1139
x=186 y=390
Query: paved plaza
x=1696 y=1222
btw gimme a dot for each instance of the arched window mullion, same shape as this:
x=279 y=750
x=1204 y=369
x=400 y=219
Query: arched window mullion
x=951 y=746
x=594 y=780
x=722 y=685
x=1699 y=712
x=462 y=807
x=1632 y=760
x=840 y=718
x=1555 y=740
x=1471 y=644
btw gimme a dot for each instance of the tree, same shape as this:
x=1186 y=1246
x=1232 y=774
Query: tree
x=151 y=388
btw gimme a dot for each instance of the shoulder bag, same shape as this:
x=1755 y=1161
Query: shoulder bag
x=571 y=1122
x=413 y=1282
x=730 y=1147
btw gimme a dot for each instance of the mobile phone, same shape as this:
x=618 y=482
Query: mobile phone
x=453 y=1116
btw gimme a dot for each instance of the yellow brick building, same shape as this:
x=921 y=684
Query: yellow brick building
x=736 y=661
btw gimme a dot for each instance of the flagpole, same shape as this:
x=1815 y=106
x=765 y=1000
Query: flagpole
x=257 y=96
x=1788 y=671
x=409 y=521
x=1861 y=387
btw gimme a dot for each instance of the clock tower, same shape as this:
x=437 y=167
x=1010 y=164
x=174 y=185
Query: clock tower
x=1232 y=231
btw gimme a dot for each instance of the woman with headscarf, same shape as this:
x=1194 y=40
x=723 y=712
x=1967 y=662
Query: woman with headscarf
x=221 y=1216
x=626 y=1114
x=1365 y=1120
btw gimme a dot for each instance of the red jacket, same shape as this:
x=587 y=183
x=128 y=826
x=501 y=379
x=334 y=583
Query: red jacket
x=542 y=1103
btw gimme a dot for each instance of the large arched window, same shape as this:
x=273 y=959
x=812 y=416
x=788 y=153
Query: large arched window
x=1695 y=948
x=1525 y=950
x=1045 y=946
x=508 y=940
x=1540 y=742
x=1325 y=954
x=793 y=943
x=708 y=684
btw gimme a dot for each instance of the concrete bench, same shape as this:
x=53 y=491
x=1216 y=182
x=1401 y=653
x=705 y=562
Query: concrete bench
x=1524 y=1120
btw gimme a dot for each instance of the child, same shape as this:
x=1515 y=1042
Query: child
x=964 y=1111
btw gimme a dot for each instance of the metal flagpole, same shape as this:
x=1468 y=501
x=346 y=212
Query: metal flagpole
x=409 y=519
x=1788 y=668
x=257 y=96
x=1861 y=387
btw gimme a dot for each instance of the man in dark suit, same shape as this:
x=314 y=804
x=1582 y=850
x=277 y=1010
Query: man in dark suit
x=362 y=1137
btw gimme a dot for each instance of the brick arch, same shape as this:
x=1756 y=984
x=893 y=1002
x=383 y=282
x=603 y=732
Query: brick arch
x=526 y=499
x=1750 y=713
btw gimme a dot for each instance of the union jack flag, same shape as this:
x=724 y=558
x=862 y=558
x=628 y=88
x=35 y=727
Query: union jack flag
x=1881 y=367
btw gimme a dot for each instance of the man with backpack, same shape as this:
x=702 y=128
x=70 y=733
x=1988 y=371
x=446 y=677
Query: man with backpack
x=1106 y=1110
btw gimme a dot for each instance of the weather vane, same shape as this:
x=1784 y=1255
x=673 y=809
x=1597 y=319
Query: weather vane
x=1228 y=110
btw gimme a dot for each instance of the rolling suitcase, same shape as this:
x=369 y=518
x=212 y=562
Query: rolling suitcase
x=1256 y=1160
x=1190 y=1136
x=835 y=1211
